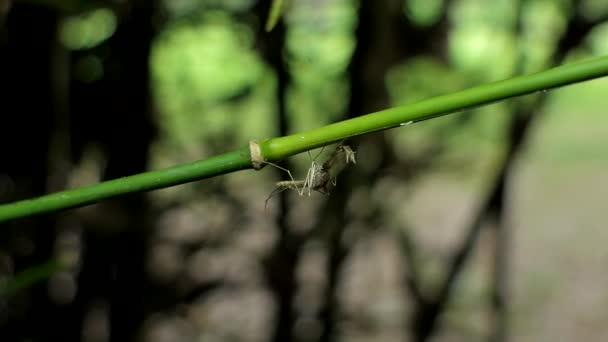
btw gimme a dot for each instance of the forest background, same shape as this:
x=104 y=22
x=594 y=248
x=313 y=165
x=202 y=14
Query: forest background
x=481 y=225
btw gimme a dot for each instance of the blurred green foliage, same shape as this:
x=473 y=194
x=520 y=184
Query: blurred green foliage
x=320 y=42
x=186 y=8
x=207 y=78
x=88 y=29
x=423 y=13
x=212 y=88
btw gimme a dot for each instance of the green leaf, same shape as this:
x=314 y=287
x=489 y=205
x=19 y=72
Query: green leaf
x=276 y=10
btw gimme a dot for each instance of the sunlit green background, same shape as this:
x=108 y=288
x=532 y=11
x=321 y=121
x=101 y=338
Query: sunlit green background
x=205 y=57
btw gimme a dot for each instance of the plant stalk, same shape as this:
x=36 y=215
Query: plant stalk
x=276 y=149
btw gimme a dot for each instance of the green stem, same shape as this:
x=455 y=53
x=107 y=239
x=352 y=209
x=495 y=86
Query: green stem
x=214 y=166
x=279 y=148
x=282 y=147
x=29 y=277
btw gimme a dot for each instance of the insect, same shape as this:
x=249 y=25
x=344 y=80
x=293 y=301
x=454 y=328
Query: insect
x=319 y=177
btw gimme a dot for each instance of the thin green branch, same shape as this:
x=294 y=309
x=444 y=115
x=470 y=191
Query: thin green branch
x=279 y=148
x=29 y=277
x=275 y=149
x=221 y=164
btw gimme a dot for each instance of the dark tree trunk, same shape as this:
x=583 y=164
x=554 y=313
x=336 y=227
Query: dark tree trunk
x=115 y=114
x=28 y=49
x=281 y=263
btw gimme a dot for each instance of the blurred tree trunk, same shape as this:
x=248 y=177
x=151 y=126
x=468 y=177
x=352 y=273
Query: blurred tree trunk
x=384 y=38
x=281 y=263
x=28 y=49
x=115 y=114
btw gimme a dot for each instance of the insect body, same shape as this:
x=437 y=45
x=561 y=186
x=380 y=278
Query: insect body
x=320 y=177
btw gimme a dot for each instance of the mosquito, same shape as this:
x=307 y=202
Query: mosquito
x=319 y=177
